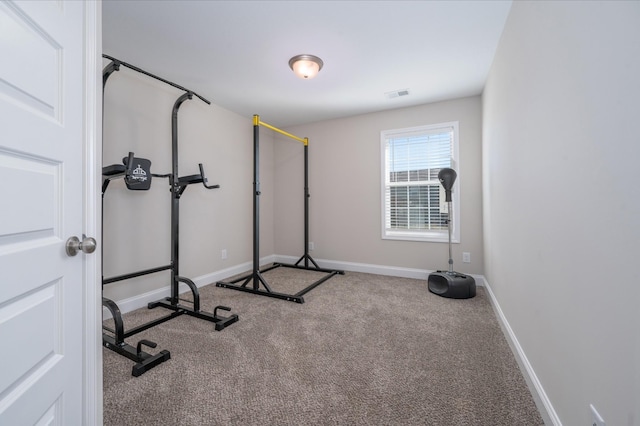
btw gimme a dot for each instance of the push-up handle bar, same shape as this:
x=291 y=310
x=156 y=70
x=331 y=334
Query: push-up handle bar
x=118 y=62
x=257 y=122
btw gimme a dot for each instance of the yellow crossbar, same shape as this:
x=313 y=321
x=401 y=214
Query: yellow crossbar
x=257 y=122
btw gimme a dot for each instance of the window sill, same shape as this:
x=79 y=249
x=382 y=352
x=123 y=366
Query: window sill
x=429 y=238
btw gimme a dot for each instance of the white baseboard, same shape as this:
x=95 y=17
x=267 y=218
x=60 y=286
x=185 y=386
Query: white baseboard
x=540 y=397
x=141 y=300
x=392 y=271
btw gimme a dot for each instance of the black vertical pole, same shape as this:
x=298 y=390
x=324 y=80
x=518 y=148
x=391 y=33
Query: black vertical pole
x=175 y=199
x=256 y=202
x=306 y=204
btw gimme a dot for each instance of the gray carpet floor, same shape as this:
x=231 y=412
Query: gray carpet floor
x=362 y=350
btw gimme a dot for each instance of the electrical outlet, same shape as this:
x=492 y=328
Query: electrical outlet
x=224 y=254
x=311 y=246
x=596 y=418
x=466 y=257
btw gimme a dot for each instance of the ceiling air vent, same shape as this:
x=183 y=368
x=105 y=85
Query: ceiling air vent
x=397 y=93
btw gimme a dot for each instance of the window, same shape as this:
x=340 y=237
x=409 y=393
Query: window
x=413 y=201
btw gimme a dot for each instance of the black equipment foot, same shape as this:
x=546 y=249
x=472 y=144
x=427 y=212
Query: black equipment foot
x=149 y=362
x=144 y=361
x=221 y=321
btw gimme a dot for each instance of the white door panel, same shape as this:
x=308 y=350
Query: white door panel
x=41 y=188
x=37 y=213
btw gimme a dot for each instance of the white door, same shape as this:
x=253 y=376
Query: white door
x=42 y=89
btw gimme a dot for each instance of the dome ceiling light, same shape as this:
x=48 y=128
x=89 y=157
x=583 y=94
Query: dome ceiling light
x=305 y=66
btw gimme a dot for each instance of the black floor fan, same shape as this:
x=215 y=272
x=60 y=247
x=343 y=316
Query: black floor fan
x=450 y=283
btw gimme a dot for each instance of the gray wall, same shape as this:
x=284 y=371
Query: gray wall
x=561 y=200
x=345 y=181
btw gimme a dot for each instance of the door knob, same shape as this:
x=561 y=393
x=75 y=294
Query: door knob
x=74 y=245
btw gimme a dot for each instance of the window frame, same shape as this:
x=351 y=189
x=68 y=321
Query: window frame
x=422 y=235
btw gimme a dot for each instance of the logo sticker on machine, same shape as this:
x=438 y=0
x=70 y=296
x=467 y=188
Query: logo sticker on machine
x=140 y=177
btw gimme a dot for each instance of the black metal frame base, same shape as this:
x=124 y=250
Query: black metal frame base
x=257 y=278
x=220 y=322
x=173 y=303
x=146 y=361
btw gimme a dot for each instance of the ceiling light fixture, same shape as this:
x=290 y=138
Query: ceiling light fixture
x=305 y=66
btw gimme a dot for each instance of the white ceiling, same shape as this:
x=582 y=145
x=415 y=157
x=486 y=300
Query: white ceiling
x=236 y=53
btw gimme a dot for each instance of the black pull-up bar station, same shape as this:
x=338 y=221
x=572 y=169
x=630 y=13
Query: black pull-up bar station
x=256 y=277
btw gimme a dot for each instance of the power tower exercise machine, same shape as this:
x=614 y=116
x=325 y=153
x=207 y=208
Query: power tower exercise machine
x=137 y=176
x=256 y=277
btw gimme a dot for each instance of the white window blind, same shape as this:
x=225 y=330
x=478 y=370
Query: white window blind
x=413 y=199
